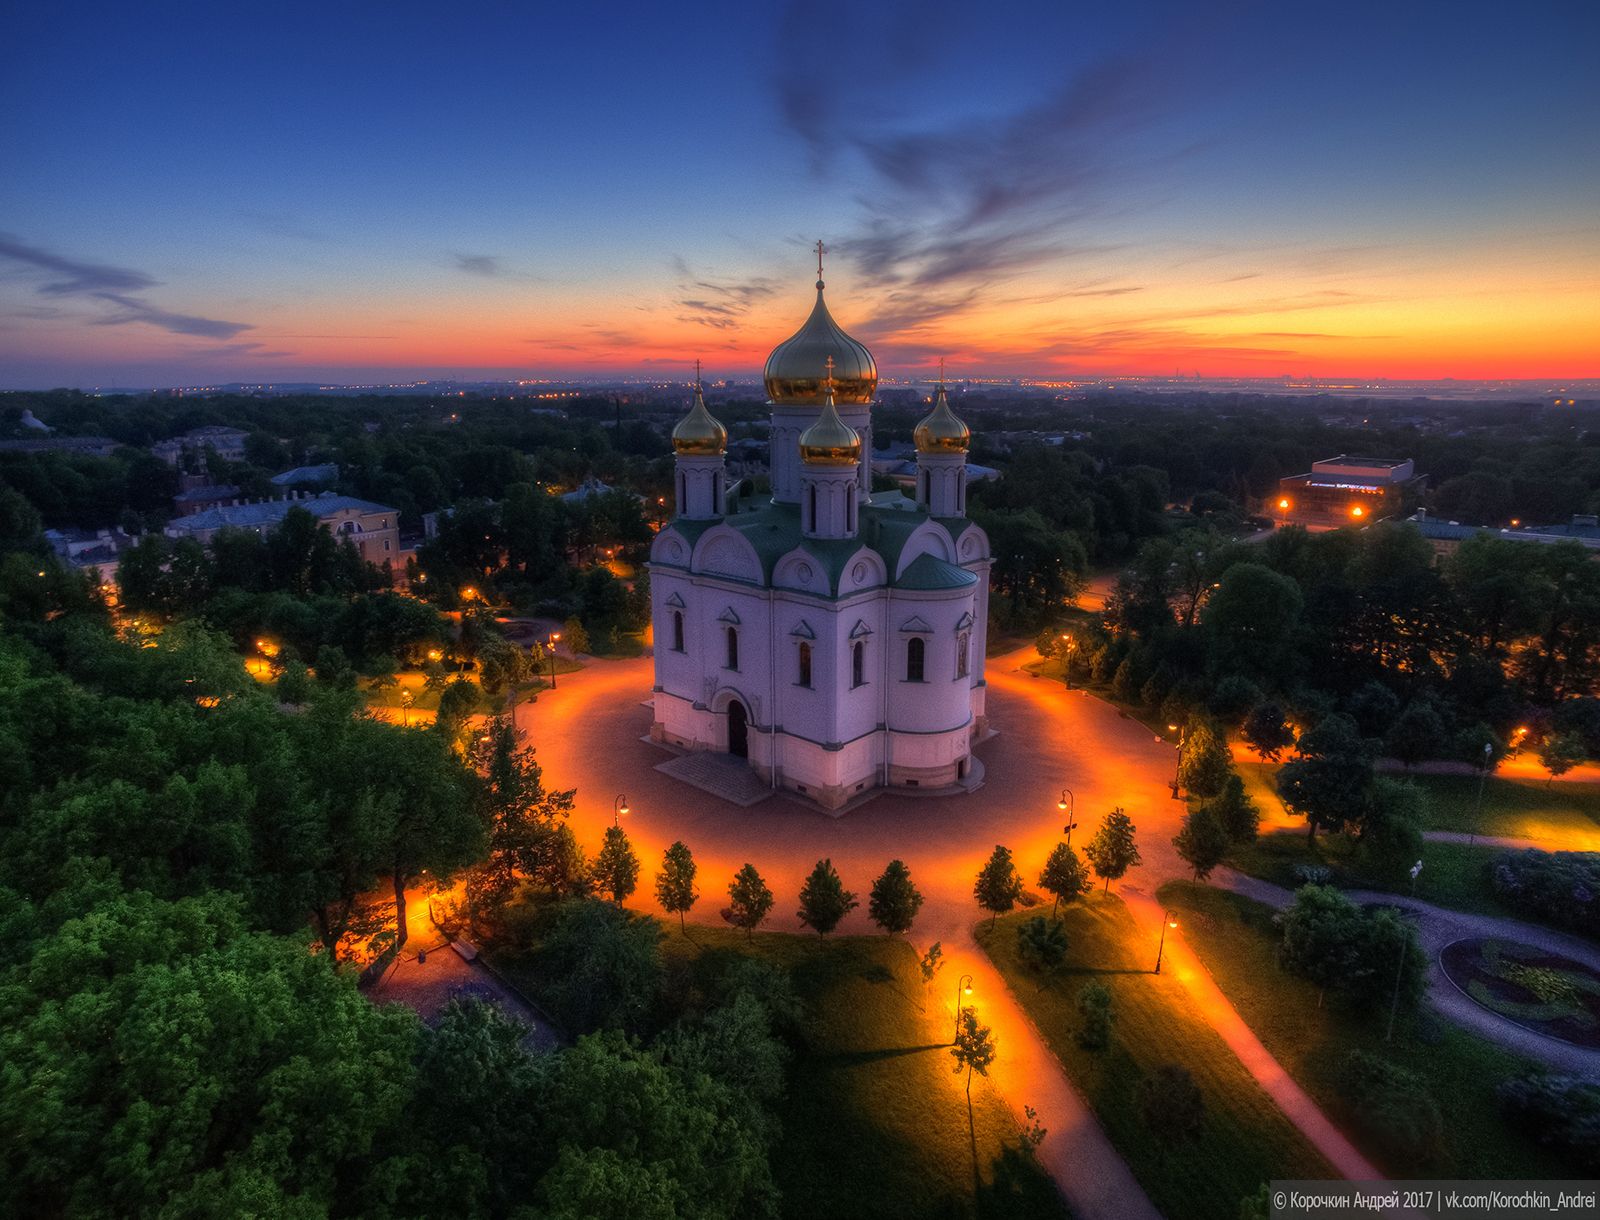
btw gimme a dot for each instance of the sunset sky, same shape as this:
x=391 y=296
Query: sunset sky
x=382 y=191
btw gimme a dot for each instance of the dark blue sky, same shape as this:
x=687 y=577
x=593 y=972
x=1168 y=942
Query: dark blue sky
x=212 y=191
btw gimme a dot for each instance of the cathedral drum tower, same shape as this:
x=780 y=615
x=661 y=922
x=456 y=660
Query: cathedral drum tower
x=831 y=636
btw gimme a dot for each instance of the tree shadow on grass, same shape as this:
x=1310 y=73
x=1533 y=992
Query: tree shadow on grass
x=1018 y=1189
x=856 y=1058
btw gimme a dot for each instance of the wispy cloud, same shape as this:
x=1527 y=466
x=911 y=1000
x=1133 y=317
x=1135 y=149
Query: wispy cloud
x=717 y=303
x=110 y=285
x=67 y=276
x=486 y=265
x=132 y=309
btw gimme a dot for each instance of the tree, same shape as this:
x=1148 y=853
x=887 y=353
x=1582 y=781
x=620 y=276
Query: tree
x=751 y=899
x=1390 y=831
x=998 y=886
x=1252 y=620
x=1063 y=878
x=521 y=814
x=1172 y=1107
x=974 y=1048
x=894 y=901
x=1235 y=812
x=616 y=868
x=1559 y=753
x=823 y=899
x=931 y=962
x=1042 y=945
x=1418 y=733
x=675 y=882
x=1201 y=842
x=603 y=963
x=1267 y=731
x=1112 y=851
x=1320 y=933
x=1329 y=781
x=457 y=702
x=294 y=683
x=572 y=631
x=1095 y=1015
x=1205 y=765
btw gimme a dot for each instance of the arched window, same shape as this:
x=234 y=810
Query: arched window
x=733 y=649
x=850 y=511
x=677 y=631
x=812 y=523
x=858 y=663
x=805 y=663
x=963 y=641
x=915 y=650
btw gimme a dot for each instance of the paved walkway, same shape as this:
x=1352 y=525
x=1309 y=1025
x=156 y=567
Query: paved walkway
x=1438 y=927
x=588 y=736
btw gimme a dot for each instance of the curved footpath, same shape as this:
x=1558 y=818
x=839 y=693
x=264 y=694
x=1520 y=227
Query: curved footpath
x=1438 y=927
x=588 y=737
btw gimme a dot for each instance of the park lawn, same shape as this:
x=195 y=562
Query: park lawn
x=1236 y=939
x=1454 y=875
x=1245 y=1139
x=875 y=1121
x=1515 y=808
x=1512 y=808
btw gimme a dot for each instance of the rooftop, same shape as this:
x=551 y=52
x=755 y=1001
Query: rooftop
x=266 y=512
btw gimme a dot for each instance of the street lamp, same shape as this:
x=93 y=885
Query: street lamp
x=618 y=807
x=1483 y=778
x=1068 y=805
x=963 y=987
x=1168 y=920
x=1177 y=769
x=406 y=699
x=1066 y=658
x=554 y=636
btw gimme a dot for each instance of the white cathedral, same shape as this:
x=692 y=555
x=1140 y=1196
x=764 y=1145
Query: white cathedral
x=832 y=636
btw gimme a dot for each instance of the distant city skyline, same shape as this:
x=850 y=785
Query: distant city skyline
x=374 y=193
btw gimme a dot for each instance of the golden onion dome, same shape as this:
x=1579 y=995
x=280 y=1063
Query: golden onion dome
x=697 y=433
x=942 y=431
x=796 y=369
x=830 y=441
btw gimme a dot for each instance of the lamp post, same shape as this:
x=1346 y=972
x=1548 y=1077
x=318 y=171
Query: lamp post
x=963 y=987
x=1068 y=805
x=1483 y=778
x=1066 y=658
x=551 y=646
x=406 y=699
x=618 y=808
x=1177 y=770
x=1168 y=920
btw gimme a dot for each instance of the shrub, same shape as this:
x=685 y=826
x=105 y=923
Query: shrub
x=1561 y=887
x=1561 y=1112
x=1094 y=1010
x=1394 y=1107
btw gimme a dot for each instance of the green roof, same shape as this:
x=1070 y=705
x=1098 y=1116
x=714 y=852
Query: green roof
x=888 y=520
x=928 y=572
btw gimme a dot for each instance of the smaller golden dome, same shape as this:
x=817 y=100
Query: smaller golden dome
x=830 y=441
x=941 y=431
x=697 y=433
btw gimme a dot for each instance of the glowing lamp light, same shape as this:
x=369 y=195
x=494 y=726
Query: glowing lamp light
x=1172 y=923
x=434 y=654
x=967 y=990
x=1358 y=511
x=1284 y=503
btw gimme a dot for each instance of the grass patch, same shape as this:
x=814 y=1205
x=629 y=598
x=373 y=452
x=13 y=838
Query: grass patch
x=875 y=1119
x=1512 y=808
x=1237 y=941
x=1245 y=1139
x=1454 y=875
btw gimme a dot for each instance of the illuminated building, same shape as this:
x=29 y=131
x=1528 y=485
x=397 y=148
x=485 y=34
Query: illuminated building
x=1344 y=490
x=832 y=636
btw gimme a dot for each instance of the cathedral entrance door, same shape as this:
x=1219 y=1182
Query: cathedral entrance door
x=738 y=730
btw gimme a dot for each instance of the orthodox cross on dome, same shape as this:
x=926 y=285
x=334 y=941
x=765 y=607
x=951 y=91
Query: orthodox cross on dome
x=941 y=372
x=829 y=382
x=697 y=369
x=821 y=250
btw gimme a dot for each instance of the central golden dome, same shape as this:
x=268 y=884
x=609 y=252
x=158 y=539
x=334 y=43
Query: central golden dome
x=797 y=367
x=830 y=441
